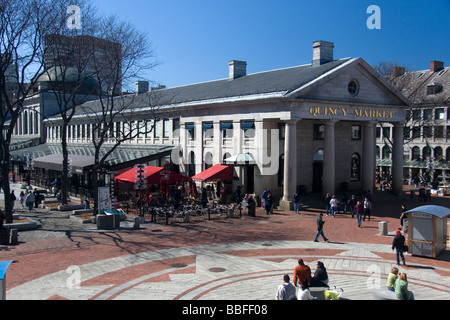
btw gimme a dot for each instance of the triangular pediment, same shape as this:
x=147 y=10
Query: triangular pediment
x=366 y=86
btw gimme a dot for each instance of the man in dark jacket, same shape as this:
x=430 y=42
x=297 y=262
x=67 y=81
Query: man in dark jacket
x=399 y=245
x=320 y=223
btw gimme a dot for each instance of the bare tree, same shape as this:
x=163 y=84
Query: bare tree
x=118 y=118
x=67 y=57
x=23 y=25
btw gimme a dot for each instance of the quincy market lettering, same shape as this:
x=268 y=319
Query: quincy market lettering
x=318 y=111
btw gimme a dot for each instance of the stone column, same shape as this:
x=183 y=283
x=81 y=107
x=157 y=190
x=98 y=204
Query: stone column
x=290 y=165
x=217 y=143
x=368 y=157
x=329 y=158
x=397 y=159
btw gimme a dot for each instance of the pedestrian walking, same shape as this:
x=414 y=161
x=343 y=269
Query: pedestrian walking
x=297 y=203
x=359 y=211
x=399 y=245
x=344 y=203
x=320 y=224
x=334 y=205
x=403 y=216
x=351 y=205
x=327 y=203
x=36 y=197
x=285 y=290
x=22 y=199
x=264 y=198
x=59 y=197
x=13 y=198
x=269 y=203
x=29 y=200
x=367 y=208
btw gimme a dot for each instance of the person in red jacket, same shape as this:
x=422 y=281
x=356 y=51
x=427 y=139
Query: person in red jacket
x=302 y=273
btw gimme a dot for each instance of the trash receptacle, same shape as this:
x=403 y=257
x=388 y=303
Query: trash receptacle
x=108 y=221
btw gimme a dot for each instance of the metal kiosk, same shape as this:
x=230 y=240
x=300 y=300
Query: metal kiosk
x=427 y=230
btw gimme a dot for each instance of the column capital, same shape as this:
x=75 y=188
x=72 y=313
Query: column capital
x=330 y=122
x=370 y=123
x=398 y=124
x=290 y=121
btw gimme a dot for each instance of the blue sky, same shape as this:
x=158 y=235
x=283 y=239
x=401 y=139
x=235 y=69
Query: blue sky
x=195 y=39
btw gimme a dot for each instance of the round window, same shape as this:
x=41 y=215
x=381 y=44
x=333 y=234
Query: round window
x=353 y=87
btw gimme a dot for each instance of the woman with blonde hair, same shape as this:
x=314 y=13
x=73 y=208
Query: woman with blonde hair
x=392 y=277
x=401 y=288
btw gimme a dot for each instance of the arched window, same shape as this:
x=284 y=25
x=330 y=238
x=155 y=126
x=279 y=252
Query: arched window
x=318 y=156
x=208 y=160
x=447 y=154
x=355 y=173
x=438 y=154
x=225 y=156
x=377 y=152
x=426 y=152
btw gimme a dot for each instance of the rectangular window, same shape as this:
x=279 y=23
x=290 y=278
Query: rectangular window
x=439 y=114
x=176 y=127
x=427 y=132
x=427 y=114
x=157 y=129
x=356 y=132
x=438 y=132
x=417 y=114
x=318 y=131
x=190 y=127
x=249 y=129
x=166 y=128
x=407 y=132
x=208 y=131
x=387 y=132
x=227 y=130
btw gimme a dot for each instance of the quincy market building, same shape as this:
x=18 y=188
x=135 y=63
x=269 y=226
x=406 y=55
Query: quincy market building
x=309 y=127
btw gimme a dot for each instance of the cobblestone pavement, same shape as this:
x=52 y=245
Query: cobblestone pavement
x=213 y=259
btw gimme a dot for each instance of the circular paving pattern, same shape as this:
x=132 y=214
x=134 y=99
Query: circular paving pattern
x=221 y=271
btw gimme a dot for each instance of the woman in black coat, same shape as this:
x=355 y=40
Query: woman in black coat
x=399 y=245
x=320 y=278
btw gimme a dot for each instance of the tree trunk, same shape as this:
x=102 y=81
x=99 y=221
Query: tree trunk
x=5 y=168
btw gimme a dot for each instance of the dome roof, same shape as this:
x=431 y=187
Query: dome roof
x=69 y=74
